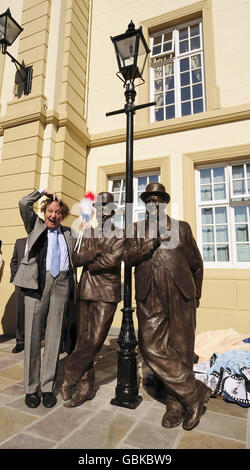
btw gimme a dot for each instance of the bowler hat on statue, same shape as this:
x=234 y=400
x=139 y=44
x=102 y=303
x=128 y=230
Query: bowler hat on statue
x=156 y=189
x=105 y=198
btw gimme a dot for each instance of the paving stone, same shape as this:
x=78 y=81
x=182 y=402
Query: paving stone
x=104 y=431
x=27 y=441
x=14 y=372
x=60 y=422
x=199 y=440
x=223 y=425
x=13 y=421
x=146 y=435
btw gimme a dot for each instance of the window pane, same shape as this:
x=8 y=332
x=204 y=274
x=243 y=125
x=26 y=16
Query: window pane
x=220 y=215
x=158 y=72
x=170 y=97
x=207 y=216
x=221 y=233
x=159 y=116
x=185 y=93
x=185 y=79
x=219 y=191
x=195 y=61
x=241 y=233
x=197 y=91
x=240 y=213
x=248 y=170
x=169 y=68
x=208 y=253
x=243 y=253
x=169 y=83
x=142 y=182
x=238 y=187
x=206 y=193
x=186 y=108
x=195 y=43
x=183 y=33
x=219 y=174
x=194 y=30
x=170 y=112
x=196 y=76
x=205 y=176
x=157 y=39
x=159 y=100
x=123 y=198
x=167 y=46
x=184 y=64
x=116 y=197
x=207 y=234
x=158 y=85
x=153 y=179
x=222 y=253
x=198 y=106
x=116 y=185
x=156 y=50
x=238 y=171
x=183 y=47
x=168 y=36
x=248 y=186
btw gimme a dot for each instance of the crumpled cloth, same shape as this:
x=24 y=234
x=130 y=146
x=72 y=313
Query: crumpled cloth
x=227 y=374
x=207 y=342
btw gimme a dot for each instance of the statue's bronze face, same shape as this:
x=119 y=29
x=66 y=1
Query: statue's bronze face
x=103 y=213
x=152 y=202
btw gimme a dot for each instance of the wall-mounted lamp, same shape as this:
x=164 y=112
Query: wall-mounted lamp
x=9 y=31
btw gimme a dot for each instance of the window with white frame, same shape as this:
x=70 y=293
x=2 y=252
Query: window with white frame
x=117 y=188
x=177 y=71
x=223 y=214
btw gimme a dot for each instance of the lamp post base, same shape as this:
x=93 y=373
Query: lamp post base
x=126 y=392
x=132 y=406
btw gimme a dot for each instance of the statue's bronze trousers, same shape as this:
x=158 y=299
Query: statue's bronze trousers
x=94 y=320
x=167 y=333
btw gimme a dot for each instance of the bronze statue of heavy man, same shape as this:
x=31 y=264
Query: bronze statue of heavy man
x=168 y=280
x=99 y=291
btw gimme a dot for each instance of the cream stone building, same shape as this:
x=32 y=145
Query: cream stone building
x=196 y=140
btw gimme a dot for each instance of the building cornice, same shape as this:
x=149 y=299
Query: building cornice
x=198 y=121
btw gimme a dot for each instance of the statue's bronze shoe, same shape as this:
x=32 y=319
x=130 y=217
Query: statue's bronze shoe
x=84 y=390
x=195 y=407
x=67 y=387
x=174 y=414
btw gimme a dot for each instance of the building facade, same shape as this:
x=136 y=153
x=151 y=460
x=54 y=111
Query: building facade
x=195 y=140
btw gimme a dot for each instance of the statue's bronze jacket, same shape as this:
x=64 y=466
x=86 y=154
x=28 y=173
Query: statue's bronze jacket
x=179 y=254
x=101 y=257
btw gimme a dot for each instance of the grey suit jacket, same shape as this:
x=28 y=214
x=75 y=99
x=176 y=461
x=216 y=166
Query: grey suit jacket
x=27 y=275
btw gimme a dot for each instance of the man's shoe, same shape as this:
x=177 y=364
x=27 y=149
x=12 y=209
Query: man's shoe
x=174 y=414
x=18 y=348
x=49 y=399
x=32 y=400
x=195 y=407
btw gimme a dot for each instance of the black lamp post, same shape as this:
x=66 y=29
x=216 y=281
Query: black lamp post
x=9 y=31
x=131 y=53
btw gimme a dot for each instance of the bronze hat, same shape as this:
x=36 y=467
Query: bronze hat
x=157 y=189
x=105 y=198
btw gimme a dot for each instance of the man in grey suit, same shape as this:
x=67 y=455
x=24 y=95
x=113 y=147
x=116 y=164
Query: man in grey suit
x=18 y=254
x=47 y=276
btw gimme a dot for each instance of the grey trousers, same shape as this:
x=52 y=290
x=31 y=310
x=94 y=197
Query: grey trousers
x=46 y=315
